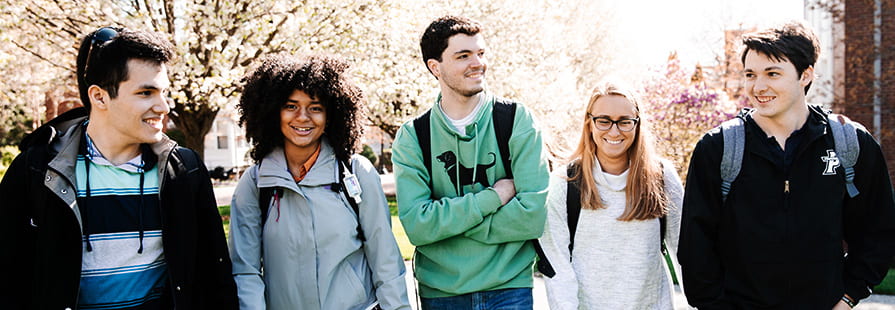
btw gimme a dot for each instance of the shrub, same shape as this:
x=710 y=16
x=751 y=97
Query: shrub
x=369 y=154
x=681 y=112
x=7 y=154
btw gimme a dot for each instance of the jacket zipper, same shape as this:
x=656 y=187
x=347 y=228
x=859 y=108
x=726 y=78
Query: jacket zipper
x=786 y=194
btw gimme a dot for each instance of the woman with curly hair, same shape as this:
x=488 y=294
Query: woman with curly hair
x=310 y=226
x=613 y=257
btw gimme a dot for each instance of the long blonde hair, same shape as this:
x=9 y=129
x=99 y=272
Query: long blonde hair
x=645 y=196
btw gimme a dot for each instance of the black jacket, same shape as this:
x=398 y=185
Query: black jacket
x=769 y=248
x=41 y=234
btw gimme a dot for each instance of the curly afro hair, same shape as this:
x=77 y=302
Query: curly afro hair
x=267 y=88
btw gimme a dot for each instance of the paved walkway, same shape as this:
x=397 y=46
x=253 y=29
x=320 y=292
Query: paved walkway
x=875 y=302
x=224 y=191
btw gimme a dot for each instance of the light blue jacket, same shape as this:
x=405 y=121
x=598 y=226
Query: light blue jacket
x=312 y=256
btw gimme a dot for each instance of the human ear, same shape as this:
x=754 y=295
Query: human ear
x=433 y=67
x=98 y=97
x=807 y=76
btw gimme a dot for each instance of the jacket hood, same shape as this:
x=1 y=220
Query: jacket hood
x=63 y=125
x=48 y=131
x=482 y=119
x=62 y=137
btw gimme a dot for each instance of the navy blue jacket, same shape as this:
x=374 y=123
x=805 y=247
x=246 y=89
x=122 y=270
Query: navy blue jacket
x=773 y=246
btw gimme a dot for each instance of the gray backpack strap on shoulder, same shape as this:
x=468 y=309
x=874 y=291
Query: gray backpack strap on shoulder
x=845 y=141
x=734 y=134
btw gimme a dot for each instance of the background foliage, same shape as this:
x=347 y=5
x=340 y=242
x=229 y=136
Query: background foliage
x=545 y=54
x=681 y=109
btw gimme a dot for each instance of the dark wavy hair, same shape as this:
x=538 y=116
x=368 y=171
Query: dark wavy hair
x=108 y=59
x=267 y=88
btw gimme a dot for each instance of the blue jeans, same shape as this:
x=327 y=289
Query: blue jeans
x=505 y=299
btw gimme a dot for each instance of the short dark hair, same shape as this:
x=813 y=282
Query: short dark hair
x=435 y=38
x=267 y=88
x=792 y=41
x=108 y=59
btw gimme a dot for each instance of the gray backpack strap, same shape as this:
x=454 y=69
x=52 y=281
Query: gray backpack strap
x=734 y=134
x=845 y=140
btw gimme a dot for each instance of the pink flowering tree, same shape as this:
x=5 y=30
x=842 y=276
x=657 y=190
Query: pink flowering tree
x=681 y=108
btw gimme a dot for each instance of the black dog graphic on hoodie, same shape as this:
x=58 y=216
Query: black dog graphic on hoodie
x=451 y=165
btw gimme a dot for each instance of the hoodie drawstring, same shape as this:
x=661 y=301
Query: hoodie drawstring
x=84 y=207
x=86 y=216
x=475 y=164
x=142 y=174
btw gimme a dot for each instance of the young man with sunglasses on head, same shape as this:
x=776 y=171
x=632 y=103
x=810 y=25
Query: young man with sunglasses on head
x=470 y=206
x=101 y=210
x=794 y=229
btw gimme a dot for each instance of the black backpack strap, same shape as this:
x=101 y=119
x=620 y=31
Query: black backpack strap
x=265 y=194
x=543 y=264
x=424 y=138
x=663 y=222
x=573 y=208
x=264 y=197
x=183 y=160
x=573 y=202
x=503 y=117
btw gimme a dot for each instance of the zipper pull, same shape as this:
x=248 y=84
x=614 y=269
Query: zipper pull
x=786 y=186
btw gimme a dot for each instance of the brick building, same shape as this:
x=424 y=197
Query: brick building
x=861 y=50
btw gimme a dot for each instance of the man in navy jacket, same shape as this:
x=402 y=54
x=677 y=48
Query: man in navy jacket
x=788 y=235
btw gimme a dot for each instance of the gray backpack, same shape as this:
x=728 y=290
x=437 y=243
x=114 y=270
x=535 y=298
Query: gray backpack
x=845 y=141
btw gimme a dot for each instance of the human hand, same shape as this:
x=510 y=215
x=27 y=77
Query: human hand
x=506 y=189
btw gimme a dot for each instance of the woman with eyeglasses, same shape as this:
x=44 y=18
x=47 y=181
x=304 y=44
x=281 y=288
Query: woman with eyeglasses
x=612 y=212
x=310 y=226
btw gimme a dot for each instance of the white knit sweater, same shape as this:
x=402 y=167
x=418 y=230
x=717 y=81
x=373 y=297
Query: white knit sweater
x=615 y=264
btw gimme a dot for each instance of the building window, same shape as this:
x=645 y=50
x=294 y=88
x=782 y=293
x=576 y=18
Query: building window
x=222 y=142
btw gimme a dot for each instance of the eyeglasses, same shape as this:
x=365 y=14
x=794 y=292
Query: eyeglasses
x=97 y=39
x=604 y=123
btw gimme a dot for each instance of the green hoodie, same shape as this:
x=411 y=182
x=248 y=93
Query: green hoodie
x=465 y=240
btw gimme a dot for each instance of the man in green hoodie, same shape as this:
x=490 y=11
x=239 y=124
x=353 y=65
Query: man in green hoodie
x=470 y=220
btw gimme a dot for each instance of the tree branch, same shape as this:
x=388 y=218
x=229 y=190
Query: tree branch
x=41 y=57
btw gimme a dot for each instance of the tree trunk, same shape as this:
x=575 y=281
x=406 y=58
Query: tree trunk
x=195 y=124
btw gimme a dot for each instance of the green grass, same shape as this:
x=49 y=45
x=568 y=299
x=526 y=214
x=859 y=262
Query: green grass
x=392 y=205
x=225 y=217
x=888 y=285
x=398 y=230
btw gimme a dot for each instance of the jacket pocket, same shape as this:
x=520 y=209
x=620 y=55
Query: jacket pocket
x=347 y=289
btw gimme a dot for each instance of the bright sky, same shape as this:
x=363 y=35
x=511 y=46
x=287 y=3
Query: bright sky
x=694 y=28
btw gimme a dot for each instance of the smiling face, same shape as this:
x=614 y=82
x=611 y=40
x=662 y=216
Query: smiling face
x=774 y=87
x=613 y=144
x=461 y=70
x=302 y=121
x=136 y=115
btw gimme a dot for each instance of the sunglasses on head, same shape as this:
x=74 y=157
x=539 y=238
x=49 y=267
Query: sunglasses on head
x=97 y=40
